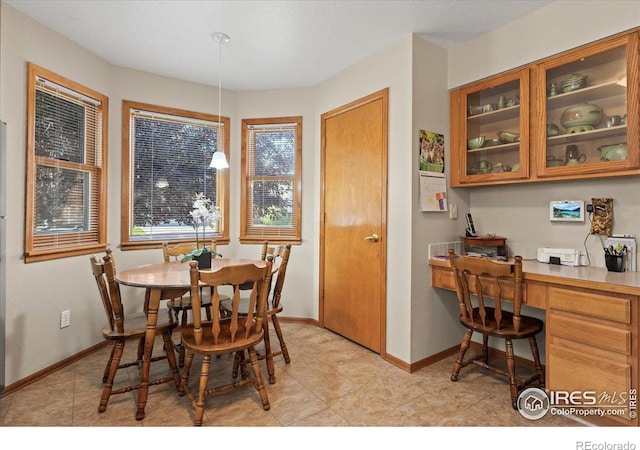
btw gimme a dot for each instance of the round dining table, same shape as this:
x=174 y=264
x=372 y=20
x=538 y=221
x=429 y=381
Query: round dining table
x=166 y=280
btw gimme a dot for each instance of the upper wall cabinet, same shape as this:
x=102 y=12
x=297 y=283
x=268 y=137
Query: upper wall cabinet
x=582 y=120
x=490 y=130
x=586 y=109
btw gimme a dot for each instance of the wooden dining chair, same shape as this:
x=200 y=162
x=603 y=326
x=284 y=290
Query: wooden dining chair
x=182 y=305
x=484 y=277
x=274 y=307
x=226 y=334
x=122 y=328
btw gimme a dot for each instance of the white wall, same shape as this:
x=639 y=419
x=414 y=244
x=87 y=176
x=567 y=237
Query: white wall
x=390 y=68
x=36 y=293
x=300 y=294
x=554 y=28
x=521 y=212
x=33 y=308
x=433 y=313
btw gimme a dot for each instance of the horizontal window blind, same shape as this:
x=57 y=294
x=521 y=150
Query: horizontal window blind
x=271 y=203
x=68 y=175
x=169 y=159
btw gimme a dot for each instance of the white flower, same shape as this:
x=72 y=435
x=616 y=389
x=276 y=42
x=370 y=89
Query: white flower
x=204 y=213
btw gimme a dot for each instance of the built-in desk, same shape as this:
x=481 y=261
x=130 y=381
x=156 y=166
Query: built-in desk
x=592 y=327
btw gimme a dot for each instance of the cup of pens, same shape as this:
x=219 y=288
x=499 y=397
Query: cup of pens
x=615 y=257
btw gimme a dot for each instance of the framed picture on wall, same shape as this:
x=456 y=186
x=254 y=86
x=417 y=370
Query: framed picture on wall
x=431 y=150
x=566 y=211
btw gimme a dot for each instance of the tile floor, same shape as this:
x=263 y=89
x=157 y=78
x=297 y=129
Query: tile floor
x=331 y=382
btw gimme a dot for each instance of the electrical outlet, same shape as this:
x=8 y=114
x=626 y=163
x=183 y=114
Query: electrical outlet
x=453 y=211
x=65 y=318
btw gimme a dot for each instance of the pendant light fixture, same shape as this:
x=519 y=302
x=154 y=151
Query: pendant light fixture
x=219 y=160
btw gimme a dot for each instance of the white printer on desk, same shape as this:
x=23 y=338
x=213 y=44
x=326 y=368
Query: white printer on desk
x=566 y=256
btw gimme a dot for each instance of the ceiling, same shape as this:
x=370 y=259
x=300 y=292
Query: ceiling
x=274 y=44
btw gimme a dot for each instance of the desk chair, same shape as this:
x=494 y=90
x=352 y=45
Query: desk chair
x=234 y=333
x=122 y=328
x=182 y=305
x=481 y=276
x=281 y=258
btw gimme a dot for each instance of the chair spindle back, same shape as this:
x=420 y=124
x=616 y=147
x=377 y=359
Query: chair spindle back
x=104 y=271
x=485 y=277
x=240 y=322
x=177 y=251
x=283 y=253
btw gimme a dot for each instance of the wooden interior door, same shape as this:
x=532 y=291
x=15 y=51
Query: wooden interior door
x=353 y=221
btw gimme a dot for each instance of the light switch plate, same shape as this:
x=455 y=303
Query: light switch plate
x=453 y=211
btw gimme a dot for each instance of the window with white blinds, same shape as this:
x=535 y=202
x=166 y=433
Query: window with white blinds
x=166 y=156
x=271 y=179
x=66 y=167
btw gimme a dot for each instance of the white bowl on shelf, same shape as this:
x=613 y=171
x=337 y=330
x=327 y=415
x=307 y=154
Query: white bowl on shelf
x=508 y=137
x=475 y=142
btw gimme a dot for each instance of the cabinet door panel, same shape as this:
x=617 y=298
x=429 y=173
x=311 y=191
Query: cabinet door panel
x=586 y=119
x=490 y=130
x=569 y=370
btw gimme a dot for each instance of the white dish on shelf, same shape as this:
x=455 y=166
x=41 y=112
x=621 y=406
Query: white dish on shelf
x=508 y=137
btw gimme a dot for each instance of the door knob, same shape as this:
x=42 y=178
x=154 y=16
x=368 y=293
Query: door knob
x=373 y=238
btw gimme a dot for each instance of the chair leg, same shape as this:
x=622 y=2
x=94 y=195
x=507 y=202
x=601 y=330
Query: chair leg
x=184 y=315
x=257 y=379
x=271 y=369
x=140 y=350
x=171 y=357
x=485 y=348
x=185 y=374
x=236 y=363
x=536 y=360
x=105 y=376
x=118 y=348
x=202 y=390
x=283 y=346
x=511 y=368
x=240 y=363
x=207 y=311
x=463 y=349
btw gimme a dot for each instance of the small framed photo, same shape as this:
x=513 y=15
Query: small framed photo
x=566 y=211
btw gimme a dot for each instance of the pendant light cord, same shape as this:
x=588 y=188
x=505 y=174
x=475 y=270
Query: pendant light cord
x=219 y=93
x=219 y=160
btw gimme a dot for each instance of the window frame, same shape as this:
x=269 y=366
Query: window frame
x=246 y=237
x=98 y=168
x=222 y=176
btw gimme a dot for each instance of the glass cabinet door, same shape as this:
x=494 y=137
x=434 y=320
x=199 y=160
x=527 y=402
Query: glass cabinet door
x=495 y=129
x=584 y=120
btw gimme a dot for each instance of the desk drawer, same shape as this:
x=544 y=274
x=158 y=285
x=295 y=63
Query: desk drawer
x=581 y=330
x=594 y=304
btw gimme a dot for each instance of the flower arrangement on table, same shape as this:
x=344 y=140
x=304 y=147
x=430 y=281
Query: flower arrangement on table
x=204 y=213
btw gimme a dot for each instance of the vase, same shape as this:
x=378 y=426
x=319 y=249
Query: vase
x=204 y=260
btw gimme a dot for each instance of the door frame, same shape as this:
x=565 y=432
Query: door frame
x=383 y=95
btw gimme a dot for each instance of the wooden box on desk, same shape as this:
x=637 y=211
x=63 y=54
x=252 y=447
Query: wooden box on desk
x=499 y=242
